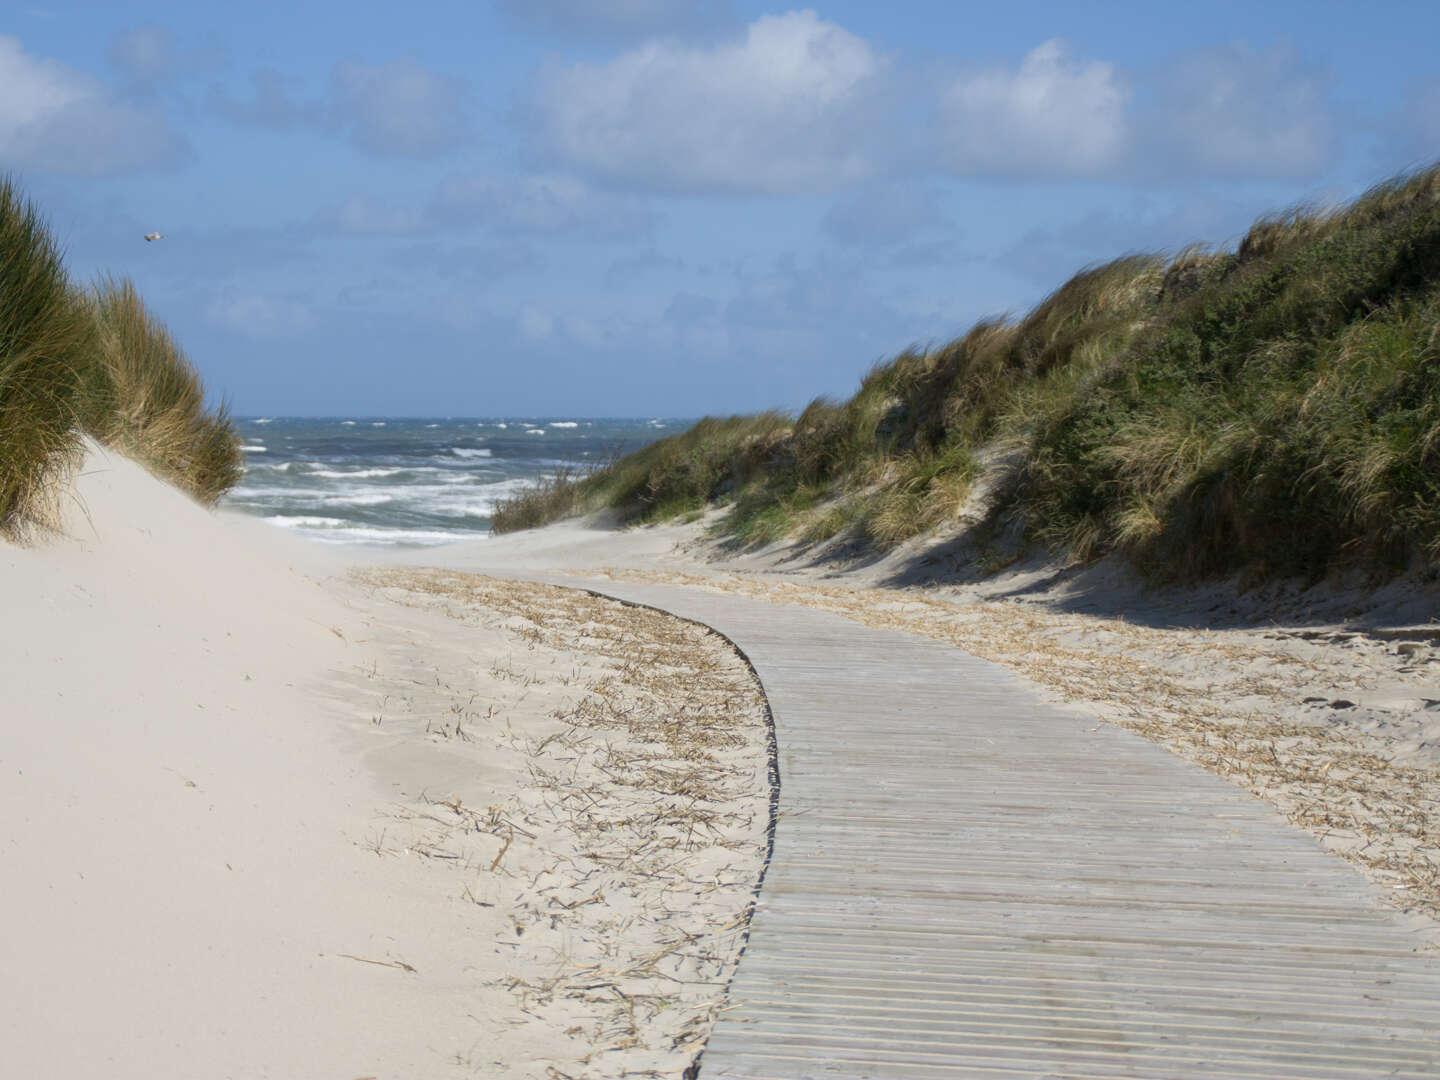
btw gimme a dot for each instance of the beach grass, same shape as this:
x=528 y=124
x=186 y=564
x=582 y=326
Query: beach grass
x=45 y=338
x=77 y=361
x=1272 y=410
x=144 y=397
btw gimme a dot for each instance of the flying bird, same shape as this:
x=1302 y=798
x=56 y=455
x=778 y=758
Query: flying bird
x=154 y=236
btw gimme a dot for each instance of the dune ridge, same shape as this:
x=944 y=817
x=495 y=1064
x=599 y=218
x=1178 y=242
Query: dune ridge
x=267 y=819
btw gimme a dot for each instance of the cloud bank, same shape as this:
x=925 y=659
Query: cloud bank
x=54 y=119
x=779 y=110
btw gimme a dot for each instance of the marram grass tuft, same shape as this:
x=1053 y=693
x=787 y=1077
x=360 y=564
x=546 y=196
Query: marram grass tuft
x=144 y=397
x=46 y=339
x=76 y=362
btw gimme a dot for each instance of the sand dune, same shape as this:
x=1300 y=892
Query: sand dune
x=269 y=814
x=253 y=823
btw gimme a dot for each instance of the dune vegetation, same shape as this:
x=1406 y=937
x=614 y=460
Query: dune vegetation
x=1272 y=410
x=77 y=361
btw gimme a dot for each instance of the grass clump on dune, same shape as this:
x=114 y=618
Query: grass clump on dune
x=1274 y=409
x=1284 y=419
x=45 y=338
x=75 y=362
x=144 y=397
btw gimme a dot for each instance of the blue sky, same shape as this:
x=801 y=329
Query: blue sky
x=665 y=206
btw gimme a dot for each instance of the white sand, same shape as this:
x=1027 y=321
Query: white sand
x=242 y=837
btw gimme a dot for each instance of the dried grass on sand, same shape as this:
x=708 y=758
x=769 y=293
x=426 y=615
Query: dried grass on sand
x=623 y=864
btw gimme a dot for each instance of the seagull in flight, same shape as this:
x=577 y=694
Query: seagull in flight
x=154 y=236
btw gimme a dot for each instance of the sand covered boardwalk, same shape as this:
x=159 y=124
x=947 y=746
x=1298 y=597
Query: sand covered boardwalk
x=968 y=881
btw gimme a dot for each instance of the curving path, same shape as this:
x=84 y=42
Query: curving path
x=968 y=881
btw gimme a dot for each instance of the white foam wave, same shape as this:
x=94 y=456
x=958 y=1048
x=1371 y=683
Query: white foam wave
x=534 y=431
x=320 y=530
x=307 y=522
x=358 y=474
x=362 y=498
x=245 y=491
x=564 y=423
x=467 y=452
x=262 y=420
x=347 y=423
x=377 y=423
x=502 y=427
x=254 y=449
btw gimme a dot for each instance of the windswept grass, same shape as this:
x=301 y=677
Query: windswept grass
x=45 y=340
x=1274 y=410
x=145 y=398
x=1284 y=419
x=76 y=362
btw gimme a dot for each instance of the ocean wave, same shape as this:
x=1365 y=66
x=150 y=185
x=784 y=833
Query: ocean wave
x=564 y=423
x=262 y=420
x=377 y=423
x=246 y=492
x=467 y=452
x=347 y=423
x=382 y=537
x=305 y=521
x=534 y=431
x=254 y=449
x=363 y=498
x=358 y=474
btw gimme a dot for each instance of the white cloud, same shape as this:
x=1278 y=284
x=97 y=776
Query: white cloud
x=400 y=108
x=545 y=202
x=1054 y=115
x=54 y=119
x=1234 y=111
x=782 y=109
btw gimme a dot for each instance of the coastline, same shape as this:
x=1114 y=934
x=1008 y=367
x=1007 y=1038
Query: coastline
x=282 y=811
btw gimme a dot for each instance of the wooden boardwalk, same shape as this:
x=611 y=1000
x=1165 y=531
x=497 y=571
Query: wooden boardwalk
x=967 y=881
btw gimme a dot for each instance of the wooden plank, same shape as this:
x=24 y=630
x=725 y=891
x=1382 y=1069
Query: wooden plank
x=968 y=881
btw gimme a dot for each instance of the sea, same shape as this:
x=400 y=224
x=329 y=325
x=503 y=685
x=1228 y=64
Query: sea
x=402 y=482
